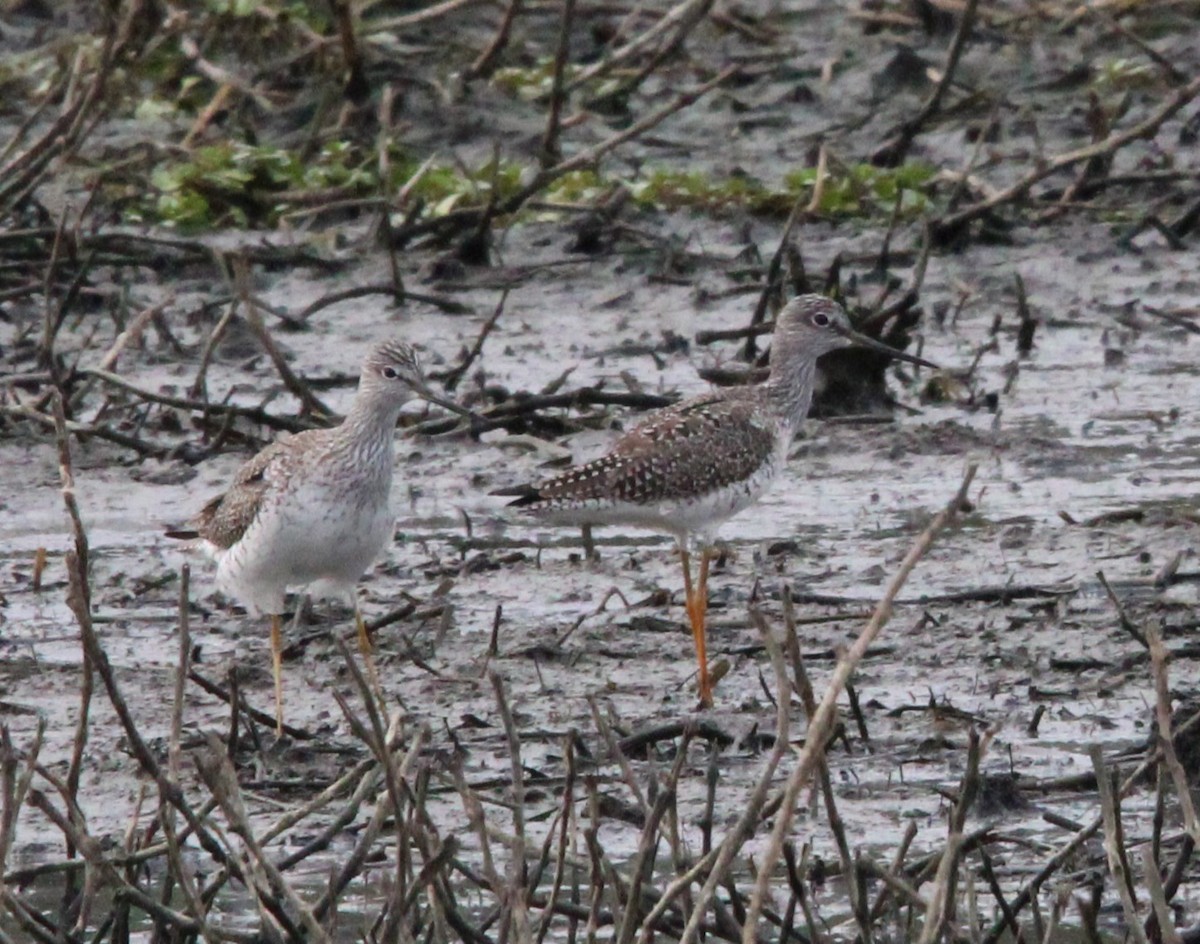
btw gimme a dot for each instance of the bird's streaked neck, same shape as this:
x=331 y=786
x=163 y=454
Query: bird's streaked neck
x=790 y=387
x=373 y=415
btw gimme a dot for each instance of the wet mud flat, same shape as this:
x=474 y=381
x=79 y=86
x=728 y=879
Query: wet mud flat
x=533 y=762
x=1004 y=629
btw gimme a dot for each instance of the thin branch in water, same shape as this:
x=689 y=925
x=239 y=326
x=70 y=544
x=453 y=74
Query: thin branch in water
x=551 y=151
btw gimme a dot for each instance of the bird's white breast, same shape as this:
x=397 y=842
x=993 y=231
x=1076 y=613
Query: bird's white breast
x=312 y=535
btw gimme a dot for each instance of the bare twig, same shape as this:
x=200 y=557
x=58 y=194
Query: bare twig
x=1114 y=848
x=1166 y=738
x=896 y=148
x=551 y=151
x=826 y=713
x=1147 y=128
x=451 y=377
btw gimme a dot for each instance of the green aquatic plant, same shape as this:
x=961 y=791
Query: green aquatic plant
x=1125 y=74
x=233 y=183
x=859 y=190
x=447 y=187
x=236 y=184
x=867 y=190
x=530 y=82
x=314 y=14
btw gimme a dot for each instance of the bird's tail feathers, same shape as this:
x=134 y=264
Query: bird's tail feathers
x=521 y=495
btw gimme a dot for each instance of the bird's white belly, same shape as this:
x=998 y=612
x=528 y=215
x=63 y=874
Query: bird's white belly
x=705 y=513
x=306 y=540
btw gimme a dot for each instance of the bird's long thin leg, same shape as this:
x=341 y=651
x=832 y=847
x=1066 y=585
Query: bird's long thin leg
x=696 y=606
x=367 y=647
x=277 y=668
x=702 y=634
x=702 y=610
x=686 y=560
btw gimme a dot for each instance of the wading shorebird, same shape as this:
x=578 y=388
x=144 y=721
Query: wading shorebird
x=690 y=466
x=312 y=510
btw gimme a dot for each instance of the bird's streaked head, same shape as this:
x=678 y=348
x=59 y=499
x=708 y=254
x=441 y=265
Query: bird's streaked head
x=811 y=325
x=392 y=370
x=814 y=324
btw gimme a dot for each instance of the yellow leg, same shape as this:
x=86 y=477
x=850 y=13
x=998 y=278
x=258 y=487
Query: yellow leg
x=277 y=667
x=366 y=647
x=697 y=607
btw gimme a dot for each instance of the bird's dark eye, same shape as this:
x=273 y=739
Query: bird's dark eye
x=390 y=373
x=820 y=320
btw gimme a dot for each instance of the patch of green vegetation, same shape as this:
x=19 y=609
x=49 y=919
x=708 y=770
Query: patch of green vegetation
x=672 y=190
x=238 y=8
x=577 y=186
x=309 y=12
x=530 y=82
x=450 y=187
x=235 y=184
x=867 y=190
x=857 y=191
x=1125 y=74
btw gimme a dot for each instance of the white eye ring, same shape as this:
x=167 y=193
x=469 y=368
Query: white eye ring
x=390 y=373
x=820 y=320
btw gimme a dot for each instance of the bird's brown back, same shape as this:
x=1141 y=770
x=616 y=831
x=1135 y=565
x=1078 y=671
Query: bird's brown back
x=224 y=519
x=687 y=450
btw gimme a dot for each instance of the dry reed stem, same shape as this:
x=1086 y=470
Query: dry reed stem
x=684 y=16
x=1166 y=739
x=1110 y=145
x=715 y=863
x=251 y=311
x=356 y=861
x=409 y=20
x=896 y=149
x=858 y=904
x=216 y=769
x=822 y=723
x=1114 y=848
x=1158 y=899
x=567 y=828
x=551 y=149
x=773 y=281
x=379 y=741
x=515 y=895
x=940 y=910
x=131 y=334
x=618 y=755
x=14 y=787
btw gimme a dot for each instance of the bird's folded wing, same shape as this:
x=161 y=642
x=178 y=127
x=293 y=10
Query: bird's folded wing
x=691 y=449
x=225 y=518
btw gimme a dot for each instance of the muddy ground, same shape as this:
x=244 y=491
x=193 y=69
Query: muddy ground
x=1088 y=455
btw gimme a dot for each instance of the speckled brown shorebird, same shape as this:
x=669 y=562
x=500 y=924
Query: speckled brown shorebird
x=312 y=510
x=690 y=466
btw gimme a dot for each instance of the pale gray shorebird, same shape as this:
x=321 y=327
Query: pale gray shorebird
x=690 y=466
x=312 y=510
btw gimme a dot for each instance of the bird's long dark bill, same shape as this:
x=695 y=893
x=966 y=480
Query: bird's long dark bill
x=423 y=391
x=861 y=340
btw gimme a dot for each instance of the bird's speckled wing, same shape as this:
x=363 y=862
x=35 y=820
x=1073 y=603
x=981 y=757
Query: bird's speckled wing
x=690 y=449
x=224 y=520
